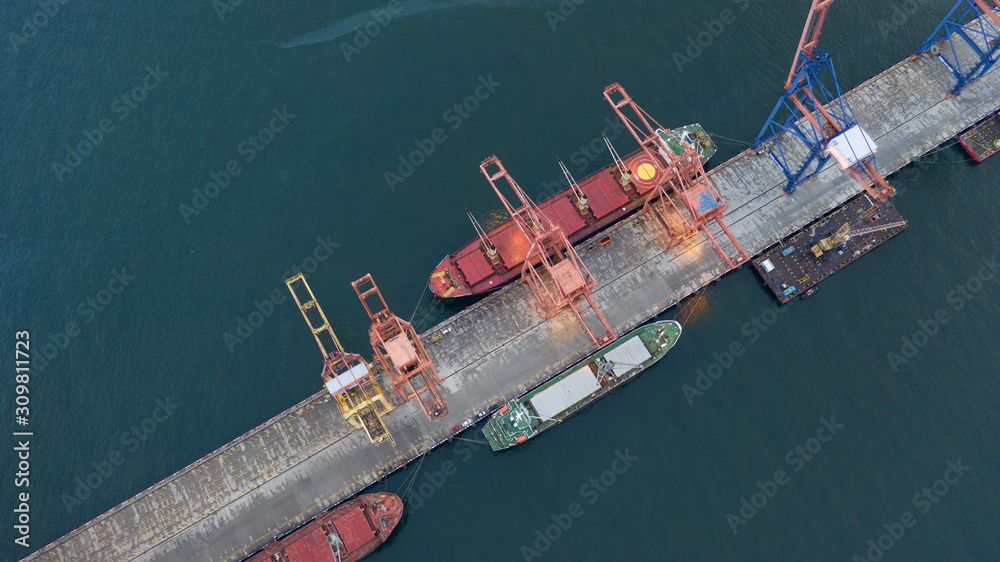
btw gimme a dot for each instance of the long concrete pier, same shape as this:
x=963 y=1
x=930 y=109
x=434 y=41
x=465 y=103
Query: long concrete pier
x=271 y=480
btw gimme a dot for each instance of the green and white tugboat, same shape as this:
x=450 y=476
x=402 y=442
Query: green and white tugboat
x=580 y=385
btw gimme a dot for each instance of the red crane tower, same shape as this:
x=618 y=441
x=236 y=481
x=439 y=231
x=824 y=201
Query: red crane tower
x=680 y=169
x=550 y=250
x=399 y=349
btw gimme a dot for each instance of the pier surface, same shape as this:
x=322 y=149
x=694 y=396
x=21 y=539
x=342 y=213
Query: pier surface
x=274 y=478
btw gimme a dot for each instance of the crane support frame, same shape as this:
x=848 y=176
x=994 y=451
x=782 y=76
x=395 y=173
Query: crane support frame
x=813 y=114
x=980 y=33
x=400 y=351
x=684 y=176
x=648 y=139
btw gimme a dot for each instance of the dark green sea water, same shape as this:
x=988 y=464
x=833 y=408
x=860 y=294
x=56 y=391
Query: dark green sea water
x=68 y=237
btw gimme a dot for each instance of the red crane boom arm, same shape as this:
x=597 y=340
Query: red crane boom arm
x=989 y=12
x=810 y=37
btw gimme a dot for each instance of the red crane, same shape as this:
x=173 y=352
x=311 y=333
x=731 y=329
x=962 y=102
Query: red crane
x=671 y=165
x=569 y=280
x=402 y=355
x=809 y=41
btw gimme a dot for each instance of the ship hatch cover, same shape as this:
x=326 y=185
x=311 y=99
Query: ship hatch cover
x=475 y=267
x=561 y=212
x=511 y=244
x=604 y=195
x=310 y=548
x=575 y=387
x=627 y=355
x=354 y=529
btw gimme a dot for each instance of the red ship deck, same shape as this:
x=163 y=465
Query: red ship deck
x=311 y=548
x=475 y=267
x=604 y=194
x=469 y=271
x=354 y=529
x=510 y=242
x=563 y=213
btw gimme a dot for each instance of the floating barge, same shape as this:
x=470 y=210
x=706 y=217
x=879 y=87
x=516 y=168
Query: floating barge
x=983 y=140
x=611 y=194
x=801 y=261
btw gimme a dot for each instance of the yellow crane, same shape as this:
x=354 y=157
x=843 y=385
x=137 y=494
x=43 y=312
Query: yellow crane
x=346 y=375
x=845 y=232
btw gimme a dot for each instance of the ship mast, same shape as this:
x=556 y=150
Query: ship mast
x=626 y=175
x=488 y=248
x=581 y=197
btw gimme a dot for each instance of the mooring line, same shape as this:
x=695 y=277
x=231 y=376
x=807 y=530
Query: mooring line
x=471 y=440
x=420 y=300
x=713 y=135
x=414 y=480
x=428 y=314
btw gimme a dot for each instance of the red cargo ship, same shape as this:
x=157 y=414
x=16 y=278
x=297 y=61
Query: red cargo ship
x=611 y=193
x=983 y=140
x=346 y=533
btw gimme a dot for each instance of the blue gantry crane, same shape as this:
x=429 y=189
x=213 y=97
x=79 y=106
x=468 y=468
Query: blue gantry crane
x=980 y=34
x=813 y=112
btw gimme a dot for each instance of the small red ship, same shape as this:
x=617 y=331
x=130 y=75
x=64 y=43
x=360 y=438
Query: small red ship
x=345 y=533
x=983 y=140
x=581 y=210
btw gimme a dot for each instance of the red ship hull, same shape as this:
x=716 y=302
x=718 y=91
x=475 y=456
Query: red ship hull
x=345 y=533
